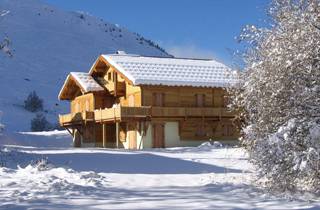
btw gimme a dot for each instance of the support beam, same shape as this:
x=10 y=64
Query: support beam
x=117 y=134
x=71 y=133
x=104 y=135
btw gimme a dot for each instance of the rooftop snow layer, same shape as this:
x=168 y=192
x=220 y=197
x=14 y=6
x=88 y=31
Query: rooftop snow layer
x=86 y=81
x=172 y=71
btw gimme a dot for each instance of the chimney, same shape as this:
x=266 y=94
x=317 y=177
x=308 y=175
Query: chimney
x=121 y=52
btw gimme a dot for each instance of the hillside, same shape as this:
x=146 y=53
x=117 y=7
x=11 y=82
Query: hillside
x=46 y=44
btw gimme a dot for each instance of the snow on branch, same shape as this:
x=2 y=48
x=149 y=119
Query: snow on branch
x=279 y=96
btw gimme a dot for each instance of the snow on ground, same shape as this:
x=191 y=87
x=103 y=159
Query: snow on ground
x=205 y=177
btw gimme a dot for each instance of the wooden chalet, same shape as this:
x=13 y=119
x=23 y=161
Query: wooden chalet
x=134 y=102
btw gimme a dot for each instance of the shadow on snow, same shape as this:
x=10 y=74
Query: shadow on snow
x=124 y=162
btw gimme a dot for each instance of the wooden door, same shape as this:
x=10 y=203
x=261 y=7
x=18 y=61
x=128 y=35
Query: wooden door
x=132 y=135
x=158 y=135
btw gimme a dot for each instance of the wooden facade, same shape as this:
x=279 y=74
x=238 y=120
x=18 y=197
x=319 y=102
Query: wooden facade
x=132 y=116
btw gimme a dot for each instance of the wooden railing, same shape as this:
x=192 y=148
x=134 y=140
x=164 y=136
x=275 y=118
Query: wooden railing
x=144 y=111
x=111 y=114
x=123 y=113
x=120 y=113
x=78 y=117
x=190 y=112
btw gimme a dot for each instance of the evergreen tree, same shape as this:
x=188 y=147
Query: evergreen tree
x=33 y=103
x=40 y=123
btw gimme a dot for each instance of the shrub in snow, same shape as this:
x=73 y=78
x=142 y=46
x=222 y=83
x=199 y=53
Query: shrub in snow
x=81 y=16
x=42 y=164
x=33 y=103
x=40 y=123
x=278 y=96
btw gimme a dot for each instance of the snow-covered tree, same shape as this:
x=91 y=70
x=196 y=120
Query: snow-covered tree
x=5 y=46
x=278 y=96
x=5 y=42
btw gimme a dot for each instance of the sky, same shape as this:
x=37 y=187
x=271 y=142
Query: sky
x=185 y=28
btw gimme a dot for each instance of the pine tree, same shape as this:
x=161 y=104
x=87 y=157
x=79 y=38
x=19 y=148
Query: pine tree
x=33 y=103
x=40 y=123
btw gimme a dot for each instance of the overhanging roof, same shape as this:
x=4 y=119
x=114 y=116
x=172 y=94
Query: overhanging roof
x=82 y=80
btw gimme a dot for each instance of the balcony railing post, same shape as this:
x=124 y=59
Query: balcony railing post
x=104 y=135
x=117 y=134
x=100 y=115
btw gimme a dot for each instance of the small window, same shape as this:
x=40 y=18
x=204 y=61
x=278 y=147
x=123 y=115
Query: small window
x=158 y=99
x=201 y=131
x=200 y=100
x=114 y=77
x=109 y=76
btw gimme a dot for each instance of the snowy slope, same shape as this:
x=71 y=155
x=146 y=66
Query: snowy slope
x=205 y=177
x=47 y=43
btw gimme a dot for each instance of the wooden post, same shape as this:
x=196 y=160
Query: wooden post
x=104 y=135
x=117 y=134
x=115 y=80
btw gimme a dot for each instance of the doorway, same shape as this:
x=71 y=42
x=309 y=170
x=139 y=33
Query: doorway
x=158 y=135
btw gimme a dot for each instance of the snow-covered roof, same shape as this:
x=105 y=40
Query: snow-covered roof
x=84 y=80
x=171 y=71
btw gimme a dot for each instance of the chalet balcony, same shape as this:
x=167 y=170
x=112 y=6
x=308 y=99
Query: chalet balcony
x=76 y=118
x=190 y=112
x=123 y=113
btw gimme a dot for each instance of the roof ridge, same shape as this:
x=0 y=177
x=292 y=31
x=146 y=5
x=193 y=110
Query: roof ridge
x=152 y=56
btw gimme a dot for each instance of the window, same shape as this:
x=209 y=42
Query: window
x=201 y=131
x=109 y=76
x=114 y=77
x=200 y=100
x=158 y=99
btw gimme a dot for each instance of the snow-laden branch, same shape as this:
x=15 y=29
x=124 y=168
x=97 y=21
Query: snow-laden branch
x=4 y=12
x=279 y=98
